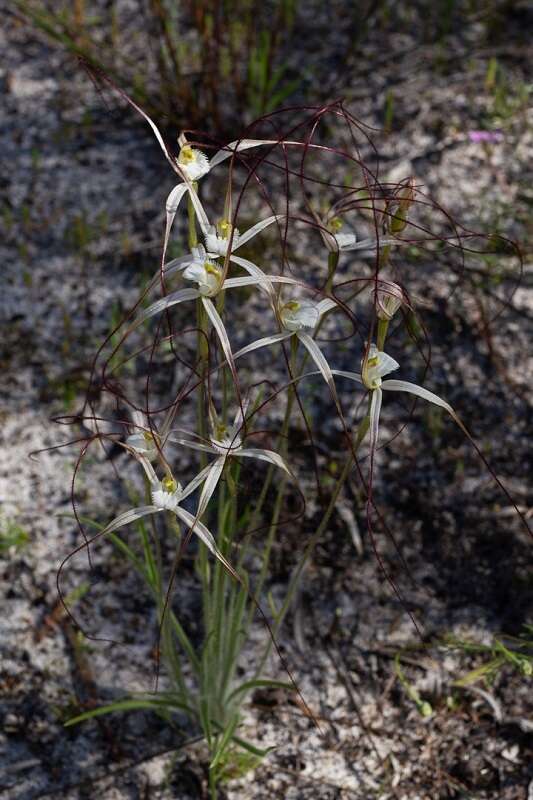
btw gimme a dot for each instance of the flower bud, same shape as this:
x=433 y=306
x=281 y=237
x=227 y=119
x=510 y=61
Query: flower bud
x=389 y=298
x=399 y=208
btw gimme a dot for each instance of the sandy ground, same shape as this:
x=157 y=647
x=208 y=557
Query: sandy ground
x=82 y=199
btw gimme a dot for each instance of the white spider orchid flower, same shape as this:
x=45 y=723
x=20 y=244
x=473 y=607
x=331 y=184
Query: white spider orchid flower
x=374 y=367
x=191 y=165
x=208 y=276
x=145 y=443
x=194 y=163
x=167 y=495
x=340 y=238
x=225 y=236
x=299 y=318
x=217 y=242
x=225 y=443
x=146 y=440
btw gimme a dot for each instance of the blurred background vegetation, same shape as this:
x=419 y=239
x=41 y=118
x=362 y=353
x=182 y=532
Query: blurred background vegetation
x=216 y=65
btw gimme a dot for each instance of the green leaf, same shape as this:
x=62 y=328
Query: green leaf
x=131 y=704
x=224 y=741
x=484 y=671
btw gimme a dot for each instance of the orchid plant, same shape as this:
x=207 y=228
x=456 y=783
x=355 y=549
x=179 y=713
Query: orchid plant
x=206 y=687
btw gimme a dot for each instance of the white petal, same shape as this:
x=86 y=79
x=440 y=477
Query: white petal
x=371 y=244
x=260 y=226
x=216 y=245
x=265 y=342
x=326 y=305
x=195 y=272
x=175 y=198
x=249 y=266
x=253 y=269
x=138 y=443
x=385 y=365
x=320 y=360
x=197 y=168
x=196 y=482
x=353 y=376
x=232 y=283
x=202 y=448
x=240 y=416
x=205 y=535
x=176 y=265
x=218 y=325
x=155 y=130
x=129 y=516
x=173 y=299
x=345 y=241
x=200 y=213
x=245 y=144
x=238 y=146
x=419 y=391
x=210 y=484
x=173 y=201
x=304 y=315
x=168 y=501
x=265 y=455
x=375 y=410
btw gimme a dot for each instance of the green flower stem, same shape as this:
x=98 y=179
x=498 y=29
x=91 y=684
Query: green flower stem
x=203 y=560
x=333 y=260
x=383 y=327
x=219 y=572
x=212 y=785
x=288 y=410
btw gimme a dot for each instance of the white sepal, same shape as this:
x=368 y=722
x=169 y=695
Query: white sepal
x=419 y=391
x=210 y=484
x=266 y=341
x=218 y=325
x=353 y=376
x=173 y=299
x=375 y=410
x=320 y=360
x=265 y=455
x=205 y=536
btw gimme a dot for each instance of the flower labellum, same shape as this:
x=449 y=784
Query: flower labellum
x=226 y=440
x=144 y=443
x=297 y=315
x=337 y=240
x=207 y=275
x=166 y=494
x=218 y=238
x=375 y=366
x=194 y=163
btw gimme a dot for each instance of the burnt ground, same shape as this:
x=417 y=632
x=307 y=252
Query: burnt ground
x=83 y=190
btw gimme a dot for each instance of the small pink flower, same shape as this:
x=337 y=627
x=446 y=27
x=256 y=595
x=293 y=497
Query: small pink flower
x=485 y=136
